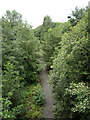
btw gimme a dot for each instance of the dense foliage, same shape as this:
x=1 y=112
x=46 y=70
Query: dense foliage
x=20 y=46
x=65 y=49
x=20 y=64
x=70 y=75
x=76 y=15
x=34 y=102
x=12 y=104
x=51 y=40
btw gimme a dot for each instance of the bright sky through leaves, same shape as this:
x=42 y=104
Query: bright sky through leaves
x=33 y=11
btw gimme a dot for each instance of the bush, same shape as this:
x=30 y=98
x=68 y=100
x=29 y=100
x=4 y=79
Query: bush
x=11 y=83
x=71 y=65
x=37 y=93
x=34 y=112
x=78 y=98
x=38 y=98
x=35 y=101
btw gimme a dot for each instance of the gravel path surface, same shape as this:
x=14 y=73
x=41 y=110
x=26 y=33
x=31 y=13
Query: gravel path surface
x=47 y=89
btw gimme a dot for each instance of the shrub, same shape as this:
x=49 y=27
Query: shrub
x=38 y=98
x=71 y=65
x=37 y=94
x=78 y=98
x=35 y=101
x=11 y=83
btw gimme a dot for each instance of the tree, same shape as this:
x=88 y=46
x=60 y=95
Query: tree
x=13 y=18
x=20 y=46
x=47 y=20
x=42 y=29
x=70 y=69
x=10 y=24
x=27 y=57
x=11 y=84
x=51 y=40
x=76 y=16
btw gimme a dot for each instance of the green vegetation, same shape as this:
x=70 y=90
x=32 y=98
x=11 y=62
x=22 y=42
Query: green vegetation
x=70 y=75
x=65 y=49
x=20 y=64
x=20 y=46
x=35 y=101
x=12 y=104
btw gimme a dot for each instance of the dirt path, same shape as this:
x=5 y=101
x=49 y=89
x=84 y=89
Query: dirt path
x=47 y=89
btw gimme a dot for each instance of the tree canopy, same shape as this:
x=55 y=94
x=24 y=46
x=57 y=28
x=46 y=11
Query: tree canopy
x=65 y=49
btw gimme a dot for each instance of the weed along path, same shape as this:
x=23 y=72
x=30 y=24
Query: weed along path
x=47 y=110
